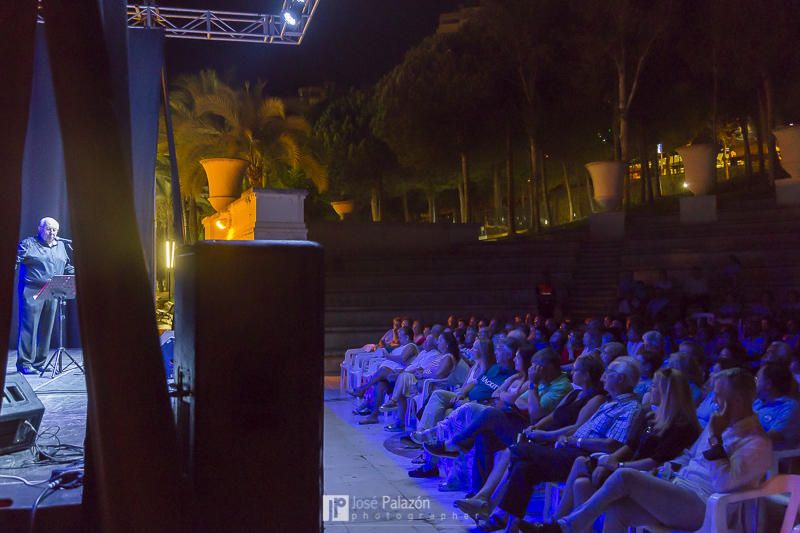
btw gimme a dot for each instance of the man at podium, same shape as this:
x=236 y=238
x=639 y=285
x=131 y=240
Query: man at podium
x=39 y=258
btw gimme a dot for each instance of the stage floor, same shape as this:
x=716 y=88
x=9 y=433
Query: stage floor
x=64 y=422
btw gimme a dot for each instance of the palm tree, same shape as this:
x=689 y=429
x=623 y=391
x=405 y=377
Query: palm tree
x=212 y=119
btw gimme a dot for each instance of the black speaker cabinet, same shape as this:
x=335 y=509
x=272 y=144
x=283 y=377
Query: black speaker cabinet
x=249 y=369
x=19 y=405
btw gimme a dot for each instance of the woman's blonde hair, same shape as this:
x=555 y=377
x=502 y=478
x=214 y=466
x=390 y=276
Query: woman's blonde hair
x=676 y=404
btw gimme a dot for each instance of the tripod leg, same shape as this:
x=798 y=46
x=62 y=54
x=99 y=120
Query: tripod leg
x=50 y=361
x=73 y=362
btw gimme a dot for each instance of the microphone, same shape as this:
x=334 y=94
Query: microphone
x=69 y=241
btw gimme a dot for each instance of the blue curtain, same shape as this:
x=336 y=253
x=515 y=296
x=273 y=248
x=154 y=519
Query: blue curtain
x=44 y=191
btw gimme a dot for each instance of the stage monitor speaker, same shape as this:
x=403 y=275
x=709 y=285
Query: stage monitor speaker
x=18 y=406
x=249 y=372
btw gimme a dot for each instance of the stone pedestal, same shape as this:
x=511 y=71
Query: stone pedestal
x=260 y=214
x=608 y=226
x=787 y=191
x=699 y=209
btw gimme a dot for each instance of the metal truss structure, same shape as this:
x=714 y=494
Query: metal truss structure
x=212 y=25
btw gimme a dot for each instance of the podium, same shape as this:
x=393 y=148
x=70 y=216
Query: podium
x=62 y=288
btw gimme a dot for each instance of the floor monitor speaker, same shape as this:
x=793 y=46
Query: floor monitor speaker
x=20 y=415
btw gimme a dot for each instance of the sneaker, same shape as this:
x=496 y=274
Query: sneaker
x=423 y=472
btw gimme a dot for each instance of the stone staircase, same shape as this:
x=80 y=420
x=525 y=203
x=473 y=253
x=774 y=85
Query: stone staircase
x=364 y=291
x=596 y=278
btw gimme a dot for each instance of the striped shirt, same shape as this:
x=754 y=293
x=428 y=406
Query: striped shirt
x=613 y=420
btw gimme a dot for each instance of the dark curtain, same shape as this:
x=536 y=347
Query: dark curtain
x=44 y=189
x=17 y=26
x=132 y=451
x=145 y=58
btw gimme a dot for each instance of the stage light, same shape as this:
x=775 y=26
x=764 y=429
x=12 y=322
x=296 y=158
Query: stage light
x=220 y=224
x=685 y=185
x=293 y=12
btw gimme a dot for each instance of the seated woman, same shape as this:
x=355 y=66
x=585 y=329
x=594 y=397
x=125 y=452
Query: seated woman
x=496 y=428
x=483 y=354
x=691 y=369
x=406 y=384
x=666 y=432
x=511 y=396
x=416 y=328
x=573 y=410
x=448 y=412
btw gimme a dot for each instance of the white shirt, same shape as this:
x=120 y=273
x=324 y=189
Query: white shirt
x=749 y=457
x=425 y=358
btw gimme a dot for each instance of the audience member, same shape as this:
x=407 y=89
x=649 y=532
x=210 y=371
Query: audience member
x=663 y=435
x=608 y=429
x=733 y=453
x=777 y=411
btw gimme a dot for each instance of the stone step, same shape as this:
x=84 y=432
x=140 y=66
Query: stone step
x=444 y=297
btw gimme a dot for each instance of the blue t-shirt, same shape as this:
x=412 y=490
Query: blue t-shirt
x=489 y=381
x=781 y=414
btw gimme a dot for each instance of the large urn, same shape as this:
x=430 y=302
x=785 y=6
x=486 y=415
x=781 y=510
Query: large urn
x=788 y=138
x=224 y=180
x=607 y=179
x=699 y=164
x=342 y=207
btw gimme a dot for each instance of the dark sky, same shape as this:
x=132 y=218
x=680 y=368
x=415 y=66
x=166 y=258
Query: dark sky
x=349 y=42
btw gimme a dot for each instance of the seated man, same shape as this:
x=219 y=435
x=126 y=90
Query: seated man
x=610 y=351
x=733 y=453
x=608 y=429
x=496 y=428
x=427 y=354
x=394 y=363
x=777 y=411
x=482 y=392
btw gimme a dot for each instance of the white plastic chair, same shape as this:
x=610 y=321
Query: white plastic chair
x=455 y=379
x=363 y=366
x=346 y=366
x=716 y=519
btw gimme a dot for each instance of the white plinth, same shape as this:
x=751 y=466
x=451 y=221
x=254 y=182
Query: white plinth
x=607 y=226
x=787 y=192
x=260 y=214
x=699 y=209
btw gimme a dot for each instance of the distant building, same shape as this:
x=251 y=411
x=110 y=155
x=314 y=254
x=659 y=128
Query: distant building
x=455 y=20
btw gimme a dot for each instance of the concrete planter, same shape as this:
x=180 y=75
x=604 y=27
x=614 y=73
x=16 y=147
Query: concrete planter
x=342 y=208
x=788 y=138
x=224 y=180
x=260 y=214
x=699 y=163
x=607 y=181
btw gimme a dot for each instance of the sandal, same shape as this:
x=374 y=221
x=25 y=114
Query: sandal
x=492 y=523
x=473 y=506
